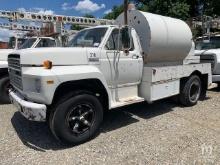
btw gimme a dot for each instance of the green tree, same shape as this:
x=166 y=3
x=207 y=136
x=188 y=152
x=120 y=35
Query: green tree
x=173 y=8
x=182 y=9
x=89 y=16
x=211 y=7
x=76 y=27
x=207 y=7
x=179 y=10
x=116 y=11
x=216 y=5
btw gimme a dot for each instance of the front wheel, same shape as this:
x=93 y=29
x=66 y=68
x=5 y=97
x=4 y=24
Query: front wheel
x=77 y=119
x=218 y=85
x=190 y=91
x=4 y=88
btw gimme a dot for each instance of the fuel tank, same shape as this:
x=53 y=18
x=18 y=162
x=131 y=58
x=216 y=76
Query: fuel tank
x=163 y=39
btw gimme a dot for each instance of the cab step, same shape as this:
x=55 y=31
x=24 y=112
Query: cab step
x=127 y=101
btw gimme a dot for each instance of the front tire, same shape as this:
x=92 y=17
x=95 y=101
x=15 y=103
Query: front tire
x=190 y=91
x=4 y=87
x=218 y=85
x=76 y=119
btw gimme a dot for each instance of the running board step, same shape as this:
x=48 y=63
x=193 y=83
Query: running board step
x=127 y=101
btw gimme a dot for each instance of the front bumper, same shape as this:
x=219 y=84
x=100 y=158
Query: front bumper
x=31 y=111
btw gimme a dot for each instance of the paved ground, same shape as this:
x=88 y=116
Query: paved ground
x=161 y=133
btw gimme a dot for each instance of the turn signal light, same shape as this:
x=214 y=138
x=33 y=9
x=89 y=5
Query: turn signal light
x=49 y=82
x=47 y=64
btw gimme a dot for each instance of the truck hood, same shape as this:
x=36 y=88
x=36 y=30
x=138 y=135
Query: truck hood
x=205 y=52
x=208 y=55
x=58 y=56
x=4 y=54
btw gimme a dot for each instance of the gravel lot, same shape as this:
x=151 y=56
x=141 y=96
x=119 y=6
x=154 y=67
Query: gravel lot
x=161 y=133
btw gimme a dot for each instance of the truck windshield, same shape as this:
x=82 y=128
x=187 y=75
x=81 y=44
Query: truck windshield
x=205 y=44
x=88 y=38
x=28 y=43
x=45 y=43
x=12 y=42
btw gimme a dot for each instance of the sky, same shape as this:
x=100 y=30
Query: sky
x=64 y=7
x=98 y=8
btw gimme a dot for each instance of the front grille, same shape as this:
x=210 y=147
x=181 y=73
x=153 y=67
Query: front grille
x=14 y=68
x=208 y=59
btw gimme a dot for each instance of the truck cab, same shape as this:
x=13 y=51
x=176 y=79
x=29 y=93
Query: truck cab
x=208 y=48
x=16 y=43
x=92 y=49
x=106 y=67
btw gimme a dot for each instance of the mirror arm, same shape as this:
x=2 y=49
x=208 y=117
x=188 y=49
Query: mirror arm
x=126 y=12
x=126 y=51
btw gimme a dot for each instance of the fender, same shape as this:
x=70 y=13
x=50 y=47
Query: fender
x=60 y=74
x=81 y=72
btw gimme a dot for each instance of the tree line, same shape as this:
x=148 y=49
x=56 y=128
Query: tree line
x=182 y=9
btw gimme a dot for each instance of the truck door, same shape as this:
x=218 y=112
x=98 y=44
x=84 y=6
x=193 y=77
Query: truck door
x=117 y=66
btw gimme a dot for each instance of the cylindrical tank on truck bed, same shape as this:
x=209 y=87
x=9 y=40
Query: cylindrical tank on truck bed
x=163 y=39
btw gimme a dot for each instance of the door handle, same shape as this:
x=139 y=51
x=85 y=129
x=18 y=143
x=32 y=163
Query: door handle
x=135 y=56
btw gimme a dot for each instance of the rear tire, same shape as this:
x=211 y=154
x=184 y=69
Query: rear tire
x=4 y=87
x=76 y=119
x=190 y=91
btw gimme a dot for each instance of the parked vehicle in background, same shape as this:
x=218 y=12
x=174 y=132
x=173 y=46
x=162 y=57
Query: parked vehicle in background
x=106 y=67
x=208 y=48
x=18 y=43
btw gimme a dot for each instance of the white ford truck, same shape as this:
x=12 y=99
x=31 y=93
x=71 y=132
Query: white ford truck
x=106 y=67
x=18 y=43
x=208 y=48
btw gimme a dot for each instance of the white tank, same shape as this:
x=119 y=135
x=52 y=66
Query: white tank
x=163 y=39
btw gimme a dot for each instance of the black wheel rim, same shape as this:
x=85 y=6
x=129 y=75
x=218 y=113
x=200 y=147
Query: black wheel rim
x=81 y=118
x=194 y=92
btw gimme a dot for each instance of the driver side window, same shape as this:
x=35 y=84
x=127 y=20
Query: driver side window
x=115 y=41
x=46 y=43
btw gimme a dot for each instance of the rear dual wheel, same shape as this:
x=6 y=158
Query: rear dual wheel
x=76 y=119
x=190 y=91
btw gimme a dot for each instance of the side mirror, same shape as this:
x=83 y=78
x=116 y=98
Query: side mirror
x=126 y=38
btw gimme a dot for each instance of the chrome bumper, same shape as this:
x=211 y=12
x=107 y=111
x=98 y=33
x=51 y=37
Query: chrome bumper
x=31 y=111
